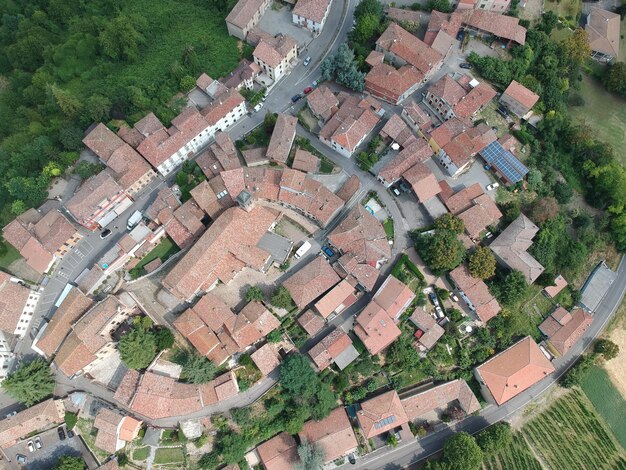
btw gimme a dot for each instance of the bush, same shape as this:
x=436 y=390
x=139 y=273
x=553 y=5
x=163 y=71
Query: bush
x=578 y=371
x=70 y=420
x=607 y=348
x=281 y=298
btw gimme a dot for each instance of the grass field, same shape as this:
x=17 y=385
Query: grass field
x=607 y=400
x=11 y=255
x=141 y=453
x=163 y=250
x=169 y=455
x=568 y=9
x=570 y=435
x=388 y=226
x=605 y=113
x=517 y=456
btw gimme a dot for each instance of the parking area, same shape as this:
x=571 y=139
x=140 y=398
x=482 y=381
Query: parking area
x=412 y=210
x=52 y=448
x=277 y=19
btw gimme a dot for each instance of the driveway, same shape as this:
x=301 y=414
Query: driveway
x=280 y=21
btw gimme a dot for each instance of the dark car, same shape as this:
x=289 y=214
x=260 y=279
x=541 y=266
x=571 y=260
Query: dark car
x=20 y=458
x=433 y=298
x=105 y=233
x=308 y=90
x=503 y=111
x=351 y=459
x=328 y=252
x=295 y=98
x=460 y=35
x=70 y=433
x=465 y=65
x=61 y=432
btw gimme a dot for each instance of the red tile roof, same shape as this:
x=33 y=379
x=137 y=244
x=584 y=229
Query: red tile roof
x=375 y=328
x=158 y=396
x=92 y=194
x=603 y=31
x=448 y=89
x=266 y=358
x=478 y=97
x=34 y=419
x=521 y=94
x=423 y=181
x=323 y=102
x=381 y=414
x=13 y=299
x=311 y=281
x=243 y=12
x=409 y=48
x=354 y=120
x=278 y=453
x=337 y=299
x=477 y=292
x=440 y=398
x=311 y=322
x=565 y=331
x=273 y=50
x=481 y=215
x=559 y=284
x=349 y=188
x=394 y=297
x=107 y=423
x=305 y=161
x=428 y=326
x=417 y=152
x=389 y=83
x=328 y=349
x=282 y=138
x=313 y=10
x=333 y=434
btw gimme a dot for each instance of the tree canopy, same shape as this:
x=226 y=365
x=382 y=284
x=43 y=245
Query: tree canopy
x=607 y=348
x=442 y=251
x=138 y=348
x=312 y=456
x=496 y=437
x=197 y=369
x=460 y=452
x=482 y=263
x=68 y=462
x=342 y=67
x=30 y=383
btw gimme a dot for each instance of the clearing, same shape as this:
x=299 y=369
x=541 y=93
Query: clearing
x=169 y=455
x=566 y=9
x=616 y=368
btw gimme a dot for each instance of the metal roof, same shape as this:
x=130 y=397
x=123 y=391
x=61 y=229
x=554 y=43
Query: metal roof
x=505 y=162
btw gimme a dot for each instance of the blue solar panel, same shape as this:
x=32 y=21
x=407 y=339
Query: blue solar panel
x=505 y=162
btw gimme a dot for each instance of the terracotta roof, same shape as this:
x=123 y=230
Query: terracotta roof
x=282 y=138
x=394 y=297
x=448 y=89
x=336 y=300
x=223 y=149
x=511 y=246
x=127 y=387
x=166 y=199
x=246 y=70
x=333 y=434
x=348 y=266
x=463 y=199
x=219 y=389
x=603 y=31
x=311 y=281
x=381 y=414
x=311 y=322
x=149 y=124
x=107 y=423
x=349 y=188
x=482 y=214
x=322 y=102
x=429 y=327
x=375 y=58
x=274 y=50
x=399 y=14
x=129 y=428
x=195 y=330
x=71 y=309
x=363 y=236
x=409 y=48
x=503 y=26
x=13 y=299
x=559 y=284
x=512 y=371
x=158 y=396
x=423 y=181
x=398 y=131
x=278 y=453
x=478 y=97
x=255 y=156
x=375 y=328
x=305 y=161
x=266 y=358
x=88 y=199
x=221 y=106
x=389 y=83
x=418 y=115
x=329 y=348
x=417 y=152
x=110 y=465
x=243 y=12
x=354 y=120
x=34 y=419
x=565 y=330
x=477 y=292
x=313 y=10
x=521 y=94
x=251 y=324
x=439 y=398
x=223 y=250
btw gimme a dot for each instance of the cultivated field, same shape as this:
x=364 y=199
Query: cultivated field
x=517 y=456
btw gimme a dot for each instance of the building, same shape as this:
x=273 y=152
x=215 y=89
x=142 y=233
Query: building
x=227 y=246
x=394 y=297
x=336 y=300
x=423 y=182
x=504 y=163
x=417 y=152
x=475 y=208
x=416 y=118
x=311 y=14
x=275 y=55
x=278 y=453
x=596 y=286
x=333 y=434
x=244 y=16
x=603 y=32
x=310 y=282
x=361 y=275
x=266 y=358
x=563 y=329
x=513 y=371
x=448 y=98
x=397 y=131
x=220 y=156
x=441 y=398
x=243 y=76
x=391 y=84
x=282 y=138
x=114 y=430
x=323 y=103
x=511 y=248
x=33 y=420
x=381 y=414
x=305 y=161
x=559 y=284
x=428 y=331
x=334 y=348
x=311 y=322
x=93 y=337
x=41 y=239
x=348 y=127
x=349 y=188
x=498 y=6
x=98 y=201
x=475 y=293
x=128 y=168
x=518 y=99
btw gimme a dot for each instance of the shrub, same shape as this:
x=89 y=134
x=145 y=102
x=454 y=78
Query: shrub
x=70 y=420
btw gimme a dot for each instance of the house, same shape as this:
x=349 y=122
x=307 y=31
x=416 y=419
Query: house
x=513 y=371
x=266 y=358
x=244 y=16
x=361 y=275
x=559 y=284
x=227 y=246
x=311 y=322
x=282 y=138
x=511 y=248
x=30 y=421
x=310 y=282
x=311 y=14
x=305 y=161
x=220 y=156
x=375 y=328
x=518 y=99
x=504 y=163
x=394 y=297
x=596 y=286
x=183 y=224
x=219 y=389
x=416 y=118
x=603 y=32
x=349 y=188
x=363 y=236
x=475 y=293
x=348 y=127
x=42 y=238
x=114 y=430
x=391 y=84
x=278 y=453
x=417 y=152
x=333 y=434
x=323 y=103
x=475 y=208
x=93 y=339
x=243 y=76
x=423 y=182
x=397 y=131
x=381 y=414
x=401 y=48
x=336 y=300
x=334 y=348
x=128 y=168
x=448 y=98
x=275 y=54
x=255 y=156
x=440 y=398
x=563 y=329
x=428 y=331
x=98 y=201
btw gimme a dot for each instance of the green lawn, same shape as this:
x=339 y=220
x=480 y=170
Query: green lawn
x=163 y=250
x=171 y=455
x=605 y=113
x=9 y=257
x=141 y=453
x=388 y=225
x=88 y=433
x=607 y=400
x=517 y=456
x=568 y=9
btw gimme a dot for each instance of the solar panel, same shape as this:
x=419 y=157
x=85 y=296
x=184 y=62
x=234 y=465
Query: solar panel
x=505 y=162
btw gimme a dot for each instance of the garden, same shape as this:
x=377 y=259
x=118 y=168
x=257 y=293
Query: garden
x=164 y=250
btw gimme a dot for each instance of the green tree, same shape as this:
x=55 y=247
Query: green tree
x=366 y=27
x=342 y=67
x=443 y=6
x=18 y=207
x=197 y=369
x=607 y=348
x=122 y=459
x=121 y=37
x=255 y=293
x=496 y=437
x=460 y=452
x=66 y=101
x=85 y=169
x=450 y=222
x=68 y=462
x=137 y=348
x=281 y=298
x=576 y=47
x=442 y=251
x=575 y=375
x=163 y=337
x=392 y=440
x=511 y=289
x=297 y=376
x=548 y=21
x=312 y=456
x=70 y=420
x=97 y=108
x=274 y=336
x=482 y=263
x=30 y=383
x=614 y=78
x=325 y=401
x=369 y=7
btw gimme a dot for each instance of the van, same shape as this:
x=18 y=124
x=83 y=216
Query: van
x=133 y=220
x=306 y=246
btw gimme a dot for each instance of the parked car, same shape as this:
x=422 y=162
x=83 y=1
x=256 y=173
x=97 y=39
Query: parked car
x=328 y=252
x=465 y=65
x=315 y=83
x=454 y=297
x=70 y=433
x=433 y=298
x=31 y=446
x=308 y=90
x=12 y=413
x=439 y=312
x=492 y=186
x=258 y=107
x=502 y=112
x=404 y=187
x=351 y=459
x=61 y=433
x=20 y=458
x=307 y=61
x=295 y=98
x=395 y=191
x=38 y=444
x=105 y=233
x=460 y=35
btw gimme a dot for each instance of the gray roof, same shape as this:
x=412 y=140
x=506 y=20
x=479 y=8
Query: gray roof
x=277 y=246
x=346 y=357
x=596 y=286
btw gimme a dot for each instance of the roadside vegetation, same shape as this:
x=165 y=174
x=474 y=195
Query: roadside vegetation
x=30 y=383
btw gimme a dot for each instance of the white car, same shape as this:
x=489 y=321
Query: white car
x=307 y=61
x=258 y=107
x=31 y=447
x=493 y=186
